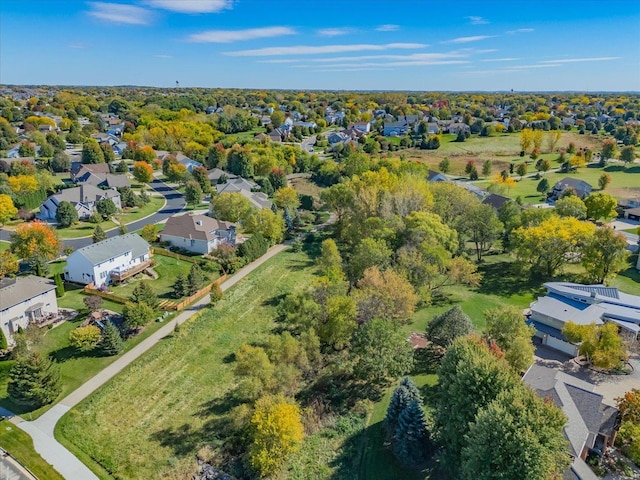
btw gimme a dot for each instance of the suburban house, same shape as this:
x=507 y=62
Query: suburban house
x=338 y=137
x=364 y=127
x=112 y=259
x=246 y=188
x=633 y=214
x=434 y=176
x=189 y=163
x=496 y=201
x=24 y=300
x=98 y=175
x=216 y=174
x=582 y=188
x=198 y=233
x=584 y=305
x=9 y=161
x=395 y=129
x=591 y=423
x=457 y=127
x=84 y=198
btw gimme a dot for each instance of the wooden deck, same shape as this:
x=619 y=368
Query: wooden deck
x=118 y=277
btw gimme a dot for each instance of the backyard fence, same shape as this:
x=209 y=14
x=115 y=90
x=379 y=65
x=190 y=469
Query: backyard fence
x=167 y=253
x=196 y=296
x=91 y=290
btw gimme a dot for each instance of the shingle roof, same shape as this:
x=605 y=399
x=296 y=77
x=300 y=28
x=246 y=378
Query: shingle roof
x=14 y=291
x=198 y=227
x=84 y=193
x=113 y=247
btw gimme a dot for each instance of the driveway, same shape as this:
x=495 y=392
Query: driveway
x=609 y=386
x=174 y=204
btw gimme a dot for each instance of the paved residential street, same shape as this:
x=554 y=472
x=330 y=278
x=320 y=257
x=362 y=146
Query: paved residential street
x=174 y=203
x=41 y=429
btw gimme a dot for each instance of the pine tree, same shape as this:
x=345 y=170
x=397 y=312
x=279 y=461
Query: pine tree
x=180 y=286
x=411 y=443
x=59 y=285
x=403 y=395
x=34 y=381
x=195 y=279
x=143 y=293
x=111 y=341
x=3 y=341
x=98 y=234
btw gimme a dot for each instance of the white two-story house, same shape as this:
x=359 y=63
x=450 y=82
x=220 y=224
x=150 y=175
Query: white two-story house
x=99 y=262
x=24 y=300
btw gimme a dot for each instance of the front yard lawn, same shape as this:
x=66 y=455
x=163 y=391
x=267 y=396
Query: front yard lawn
x=4 y=246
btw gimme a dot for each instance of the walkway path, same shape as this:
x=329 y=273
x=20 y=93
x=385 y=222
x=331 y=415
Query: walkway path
x=41 y=429
x=174 y=203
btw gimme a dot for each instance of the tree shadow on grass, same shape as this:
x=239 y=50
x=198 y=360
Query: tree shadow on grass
x=68 y=353
x=505 y=279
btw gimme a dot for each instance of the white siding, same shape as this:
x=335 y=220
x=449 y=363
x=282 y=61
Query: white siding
x=560 y=345
x=81 y=270
x=14 y=317
x=191 y=245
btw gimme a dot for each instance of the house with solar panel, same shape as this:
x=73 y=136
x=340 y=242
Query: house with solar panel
x=582 y=304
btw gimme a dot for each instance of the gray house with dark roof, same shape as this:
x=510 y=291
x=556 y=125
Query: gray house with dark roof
x=591 y=424
x=582 y=188
x=99 y=262
x=198 y=233
x=84 y=199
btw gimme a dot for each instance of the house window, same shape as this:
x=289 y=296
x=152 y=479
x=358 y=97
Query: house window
x=193 y=242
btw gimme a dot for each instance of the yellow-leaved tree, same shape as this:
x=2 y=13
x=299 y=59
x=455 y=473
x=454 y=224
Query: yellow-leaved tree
x=276 y=431
x=7 y=209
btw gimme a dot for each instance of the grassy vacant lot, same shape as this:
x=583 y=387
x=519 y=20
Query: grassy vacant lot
x=20 y=446
x=85 y=229
x=501 y=150
x=625 y=183
x=4 y=246
x=157 y=413
x=305 y=186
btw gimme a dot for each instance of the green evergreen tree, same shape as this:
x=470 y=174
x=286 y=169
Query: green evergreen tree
x=405 y=393
x=448 y=326
x=98 y=234
x=180 y=286
x=143 y=293
x=111 y=341
x=34 y=381
x=59 y=285
x=3 y=341
x=195 y=279
x=411 y=387
x=411 y=444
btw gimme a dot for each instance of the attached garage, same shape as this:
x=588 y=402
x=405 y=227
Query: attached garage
x=560 y=345
x=633 y=214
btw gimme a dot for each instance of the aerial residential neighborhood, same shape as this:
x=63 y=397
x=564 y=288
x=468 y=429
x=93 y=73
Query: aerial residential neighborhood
x=245 y=240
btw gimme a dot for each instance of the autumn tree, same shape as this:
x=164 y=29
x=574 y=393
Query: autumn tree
x=604 y=180
x=571 y=206
x=628 y=154
x=277 y=118
x=193 y=193
x=84 y=338
x=506 y=326
x=35 y=238
x=149 y=233
x=537 y=139
x=216 y=157
x=93 y=303
x=600 y=345
x=384 y=295
x=629 y=406
x=265 y=222
x=609 y=149
x=230 y=207
x=366 y=254
x=7 y=209
x=526 y=139
x=601 y=206
x=551 y=243
x=552 y=139
x=239 y=161
x=286 y=198
x=142 y=172
x=276 y=432
x=9 y=264
x=34 y=381
x=23 y=184
x=339 y=322
x=605 y=254
x=330 y=262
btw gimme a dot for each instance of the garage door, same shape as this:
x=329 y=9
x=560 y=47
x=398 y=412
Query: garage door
x=561 y=345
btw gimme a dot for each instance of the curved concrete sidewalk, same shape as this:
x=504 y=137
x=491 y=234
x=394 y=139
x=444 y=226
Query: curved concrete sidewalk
x=42 y=429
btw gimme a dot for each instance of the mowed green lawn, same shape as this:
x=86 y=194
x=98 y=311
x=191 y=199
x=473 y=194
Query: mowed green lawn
x=624 y=183
x=20 y=446
x=4 y=246
x=161 y=409
x=85 y=229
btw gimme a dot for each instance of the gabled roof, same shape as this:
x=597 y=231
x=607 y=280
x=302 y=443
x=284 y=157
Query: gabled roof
x=113 y=247
x=496 y=201
x=198 y=227
x=574 y=183
x=14 y=291
x=81 y=169
x=85 y=192
x=216 y=173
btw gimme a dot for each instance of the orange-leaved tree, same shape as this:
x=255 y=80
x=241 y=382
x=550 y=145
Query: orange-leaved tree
x=35 y=238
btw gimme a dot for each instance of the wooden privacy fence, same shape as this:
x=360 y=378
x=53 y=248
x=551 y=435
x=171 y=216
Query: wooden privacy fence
x=174 y=306
x=91 y=290
x=167 y=253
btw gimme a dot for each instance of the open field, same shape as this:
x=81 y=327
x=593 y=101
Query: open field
x=84 y=229
x=624 y=183
x=501 y=150
x=305 y=186
x=166 y=403
x=20 y=446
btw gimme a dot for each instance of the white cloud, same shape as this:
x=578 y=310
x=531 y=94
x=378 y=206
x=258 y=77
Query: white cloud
x=475 y=38
x=506 y=59
x=576 y=60
x=388 y=28
x=191 y=6
x=279 y=60
x=357 y=69
x=527 y=67
x=473 y=20
x=228 y=36
x=322 y=49
x=521 y=30
x=411 y=57
x=334 y=32
x=118 y=13
x=406 y=63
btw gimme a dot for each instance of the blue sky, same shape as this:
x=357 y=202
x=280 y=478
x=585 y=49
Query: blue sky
x=324 y=44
